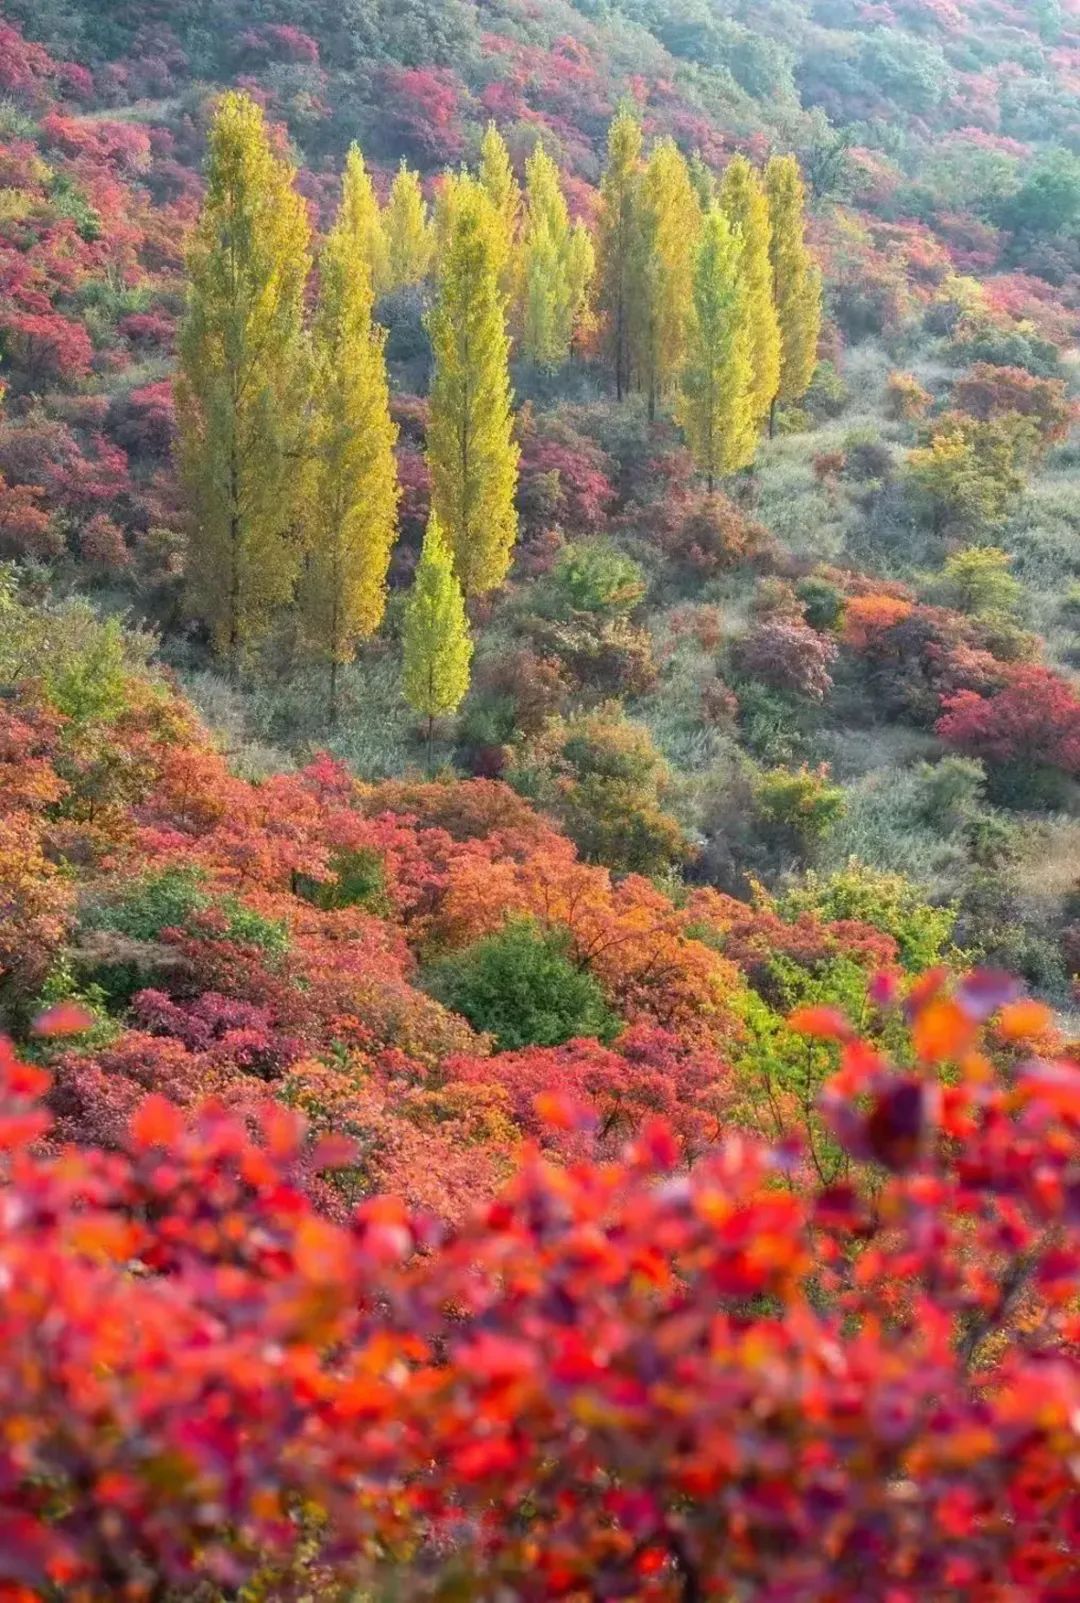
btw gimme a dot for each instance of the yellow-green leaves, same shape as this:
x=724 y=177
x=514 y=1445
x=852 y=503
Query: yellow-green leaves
x=715 y=406
x=557 y=266
x=410 y=240
x=438 y=647
x=471 y=450
x=241 y=386
x=352 y=509
x=797 y=279
x=746 y=207
x=617 y=245
x=670 y=223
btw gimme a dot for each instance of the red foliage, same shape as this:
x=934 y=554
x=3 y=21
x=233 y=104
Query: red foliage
x=988 y=392
x=566 y=480
x=26 y=529
x=790 y=656
x=422 y=111
x=624 y=1377
x=45 y=348
x=1034 y=718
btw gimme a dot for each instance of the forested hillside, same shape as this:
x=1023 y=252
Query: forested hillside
x=539 y=780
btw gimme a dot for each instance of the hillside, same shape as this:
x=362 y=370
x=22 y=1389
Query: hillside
x=539 y=801
x=937 y=264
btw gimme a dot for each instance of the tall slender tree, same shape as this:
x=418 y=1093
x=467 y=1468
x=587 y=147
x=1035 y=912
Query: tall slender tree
x=363 y=219
x=670 y=223
x=617 y=244
x=746 y=207
x=504 y=192
x=353 y=476
x=437 y=644
x=410 y=241
x=558 y=265
x=241 y=387
x=471 y=449
x=715 y=406
x=797 y=281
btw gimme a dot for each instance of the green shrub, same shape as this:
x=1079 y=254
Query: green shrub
x=521 y=987
x=977 y=581
x=360 y=882
x=597 y=577
x=888 y=902
x=798 y=808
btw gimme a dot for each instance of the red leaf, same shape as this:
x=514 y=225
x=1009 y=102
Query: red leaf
x=66 y=1018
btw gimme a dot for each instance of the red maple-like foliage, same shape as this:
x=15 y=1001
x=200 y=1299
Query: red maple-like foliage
x=628 y=1378
x=1034 y=719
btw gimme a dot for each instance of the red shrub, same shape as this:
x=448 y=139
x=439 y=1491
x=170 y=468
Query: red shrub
x=1033 y=719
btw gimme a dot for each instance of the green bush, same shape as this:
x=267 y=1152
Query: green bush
x=521 y=987
x=597 y=577
x=798 y=808
x=888 y=902
x=977 y=581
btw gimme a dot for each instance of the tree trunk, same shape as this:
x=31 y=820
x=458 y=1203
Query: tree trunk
x=772 y=419
x=333 y=709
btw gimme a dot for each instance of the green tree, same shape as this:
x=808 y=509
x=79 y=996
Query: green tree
x=557 y=268
x=746 y=207
x=437 y=644
x=410 y=241
x=617 y=244
x=241 y=387
x=670 y=224
x=715 y=406
x=796 y=281
x=353 y=478
x=363 y=221
x=522 y=986
x=504 y=192
x=971 y=470
x=471 y=449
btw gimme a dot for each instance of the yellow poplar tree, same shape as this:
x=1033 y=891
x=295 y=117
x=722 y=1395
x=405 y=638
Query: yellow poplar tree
x=797 y=280
x=241 y=386
x=363 y=219
x=470 y=445
x=557 y=266
x=504 y=192
x=746 y=207
x=715 y=406
x=617 y=250
x=353 y=475
x=437 y=644
x=410 y=240
x=670 y=226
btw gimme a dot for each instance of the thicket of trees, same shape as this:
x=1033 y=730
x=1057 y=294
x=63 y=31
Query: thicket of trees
x=709 y=304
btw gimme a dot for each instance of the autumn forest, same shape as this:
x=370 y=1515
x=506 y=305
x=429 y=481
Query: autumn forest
x=539 y=801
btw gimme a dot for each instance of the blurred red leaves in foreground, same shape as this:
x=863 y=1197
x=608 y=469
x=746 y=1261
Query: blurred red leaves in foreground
x=617 y=1379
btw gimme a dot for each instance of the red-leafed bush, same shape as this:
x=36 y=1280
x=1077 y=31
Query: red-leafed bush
x=144 y=420
x=1034 y=718
x=26 y=529
x=790 y=656
x=988 y=392
x=566 y=480
x=421 y=107
x=44 y=348
x=626 y=1379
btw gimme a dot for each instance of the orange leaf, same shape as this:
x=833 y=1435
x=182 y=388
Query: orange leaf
x=157 y=1122
x=942 y=1030
x=1024 y=1021
x=825 y=1022
x=66 y=1018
